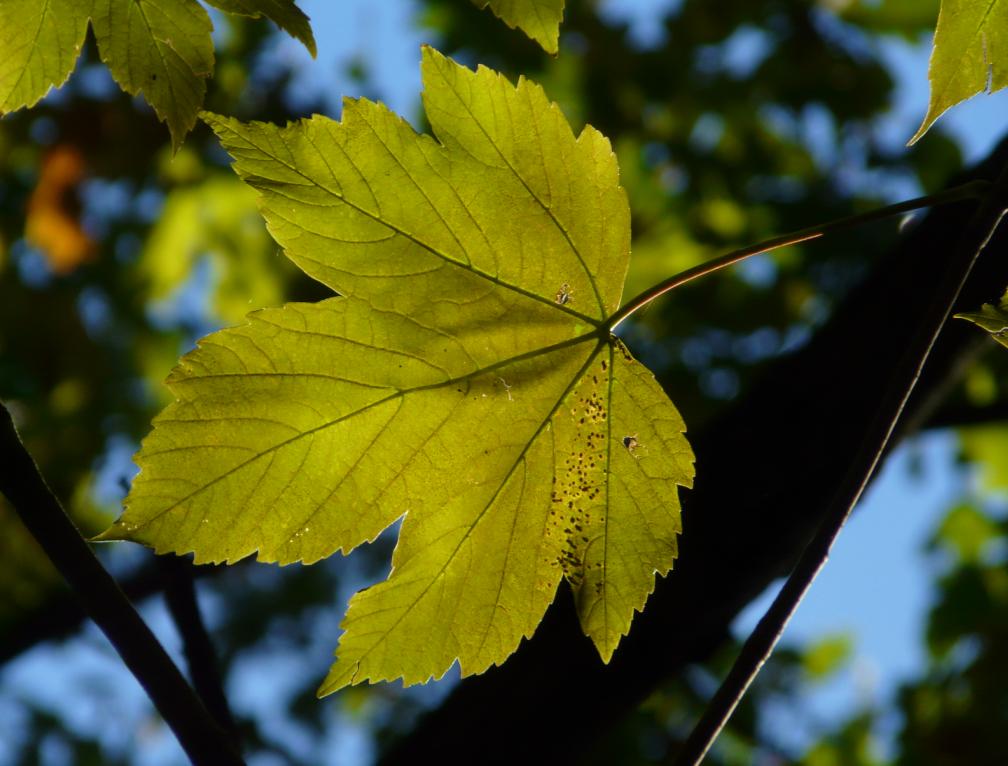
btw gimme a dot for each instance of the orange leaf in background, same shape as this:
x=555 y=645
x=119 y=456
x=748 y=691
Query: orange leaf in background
x=53 y=225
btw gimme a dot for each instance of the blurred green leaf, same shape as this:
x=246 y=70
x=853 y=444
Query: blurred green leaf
x=219 y=219
x=902 y=17
x=987 y=446
x=967 y=531
x=826 y=656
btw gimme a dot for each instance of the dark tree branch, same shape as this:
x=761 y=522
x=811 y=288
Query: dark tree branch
x=758 y=647
x=765 y=470
x=180 y=595
x=61 y=615
x=40 y=511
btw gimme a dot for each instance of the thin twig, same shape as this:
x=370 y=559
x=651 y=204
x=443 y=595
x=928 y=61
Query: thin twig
x=22 y=484
x=764 y=638
x=180 y=596
x=60 y=615
x=971 y=190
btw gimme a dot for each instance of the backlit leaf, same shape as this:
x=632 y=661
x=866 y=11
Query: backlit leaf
x=465 y=382
x=993 y=319
x=160 y=48
x=970 y=54
x=284 y=13
x=539 y=19
x=40 y=40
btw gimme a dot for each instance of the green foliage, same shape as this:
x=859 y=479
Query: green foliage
x=41 y=42
x=654 y=105
x=465 y=379
x=984 y=446
x=969 y=55
x=284 y=13
x=539 y=19
x=967 y=531
x=993 y=319
x=827 y=655
x=161 y=48
x=901 y=17
x=215 y=219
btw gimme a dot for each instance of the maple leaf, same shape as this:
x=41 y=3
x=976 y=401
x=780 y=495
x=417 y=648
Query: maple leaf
x=465 y=381
x=539 y=19
x=161 y=48
x=970 y=54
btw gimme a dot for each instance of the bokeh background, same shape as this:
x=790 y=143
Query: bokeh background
x=733 y=121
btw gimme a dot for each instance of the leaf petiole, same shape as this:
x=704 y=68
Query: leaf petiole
x=971 y=190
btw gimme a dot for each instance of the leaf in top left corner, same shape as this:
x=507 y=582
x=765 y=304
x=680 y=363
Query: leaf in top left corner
x=40 y=40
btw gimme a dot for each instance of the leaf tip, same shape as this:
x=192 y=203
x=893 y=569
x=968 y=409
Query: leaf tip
x=339 y=677
x=925 y=126
x=117 y=532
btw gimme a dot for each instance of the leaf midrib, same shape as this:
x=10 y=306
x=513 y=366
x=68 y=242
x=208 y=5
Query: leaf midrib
x=556 y=222
x=957 y=69
x=399 y=230
x=575 y=379
x=570 y=342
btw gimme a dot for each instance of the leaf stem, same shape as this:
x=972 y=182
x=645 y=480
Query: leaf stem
x=895 y=393
x=22 y=484
x=971 y=190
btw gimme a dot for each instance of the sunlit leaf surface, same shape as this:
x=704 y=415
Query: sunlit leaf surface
x=970 y=54
x=993 y=319
x=464 y=382
x=160 y=48
x=40 y=40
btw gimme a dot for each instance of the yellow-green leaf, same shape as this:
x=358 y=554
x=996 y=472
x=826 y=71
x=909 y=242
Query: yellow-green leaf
x=40 y=40
x=539 y=19
x=284 y=13
x=464 y=382
x=162 y=48
x=993 y=319
x=970 y=54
